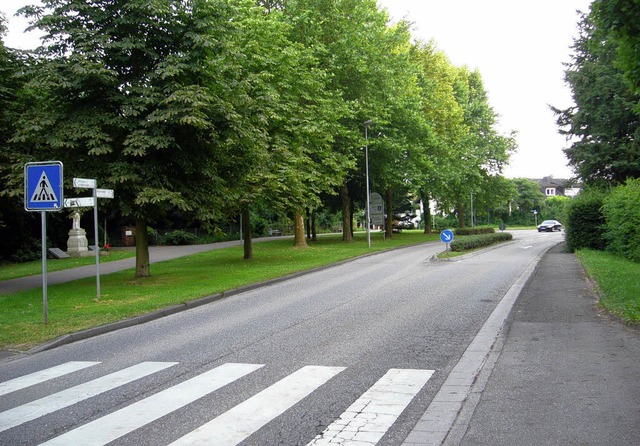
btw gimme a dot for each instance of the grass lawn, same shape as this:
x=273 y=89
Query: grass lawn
x=618 y=281
x=16 y=270
x=73 y=306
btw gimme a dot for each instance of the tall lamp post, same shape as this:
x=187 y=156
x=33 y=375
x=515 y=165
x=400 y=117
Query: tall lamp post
x=366 y=156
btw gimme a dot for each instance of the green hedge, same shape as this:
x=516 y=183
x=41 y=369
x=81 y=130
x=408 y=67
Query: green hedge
x=475 y=230
x=585 y=225
x=471 y=242
x=621 y=212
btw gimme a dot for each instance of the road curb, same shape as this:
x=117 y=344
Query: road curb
x=439 y=418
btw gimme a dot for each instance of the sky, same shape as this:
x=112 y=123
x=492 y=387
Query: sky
x=519 y=47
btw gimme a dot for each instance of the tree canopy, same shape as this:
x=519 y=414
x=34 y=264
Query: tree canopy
x=205 y=108
x=603 y=125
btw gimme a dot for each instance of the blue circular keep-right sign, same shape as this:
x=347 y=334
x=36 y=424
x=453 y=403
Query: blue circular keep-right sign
x=446 y=236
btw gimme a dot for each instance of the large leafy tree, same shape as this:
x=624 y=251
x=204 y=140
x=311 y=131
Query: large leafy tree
x=440 y=108
x=355 y=47
x=528 y=198
x=146 y=96
x=477 y=154
x=13 y=218
x=619 y=20
x=289 y=122
x=603 y=125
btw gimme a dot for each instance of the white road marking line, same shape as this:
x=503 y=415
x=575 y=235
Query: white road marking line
x=43 y=375
x=240 y=422
x=367 y=420
x=36 y=409
x=130 y=418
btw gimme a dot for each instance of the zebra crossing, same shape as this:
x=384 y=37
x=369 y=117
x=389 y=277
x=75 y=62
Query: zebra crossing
x=367 y=419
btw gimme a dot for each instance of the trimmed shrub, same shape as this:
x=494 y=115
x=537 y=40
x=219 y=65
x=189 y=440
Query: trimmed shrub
x=585 y=225
x=29 y=250
x=179 y=237
x=621 y=211
x=475 y=230
x=479 y=241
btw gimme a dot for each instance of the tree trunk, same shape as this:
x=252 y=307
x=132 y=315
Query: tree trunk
x=347 y=233
x=314 y=232
x=246 y=231
x=389 y=203
x=426 y=216
x=307 y=222
x=460 y=212
x=142 y=249
x=299 y=239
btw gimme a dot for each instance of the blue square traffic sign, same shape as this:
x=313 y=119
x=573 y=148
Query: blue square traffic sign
x=43 y=189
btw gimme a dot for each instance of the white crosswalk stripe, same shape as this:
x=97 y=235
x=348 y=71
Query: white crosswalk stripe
x=238 y=423
x=123 y=421
x=365 y=421
x=36 y=409
x=43 y=375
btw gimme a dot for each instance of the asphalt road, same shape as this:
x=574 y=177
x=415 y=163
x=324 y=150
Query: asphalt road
x=356 y=351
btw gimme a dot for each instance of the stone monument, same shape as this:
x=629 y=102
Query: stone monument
x=77 y=243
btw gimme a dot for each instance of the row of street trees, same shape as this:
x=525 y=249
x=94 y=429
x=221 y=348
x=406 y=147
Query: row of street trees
x=207 y=107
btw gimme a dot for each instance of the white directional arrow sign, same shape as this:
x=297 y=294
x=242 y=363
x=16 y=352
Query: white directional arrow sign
x=81 y=202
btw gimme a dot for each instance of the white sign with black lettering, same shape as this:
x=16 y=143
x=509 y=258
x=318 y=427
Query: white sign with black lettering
x=81 y=202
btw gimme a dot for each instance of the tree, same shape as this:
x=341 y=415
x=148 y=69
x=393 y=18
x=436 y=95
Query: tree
x=619 y=20
x=13 y=218
x=292 y=118
x=528 y=198
x=353 y=45
x=144 y=96
x=604 y=123
x=477 y=154
x=555 y=208
x=439 y=107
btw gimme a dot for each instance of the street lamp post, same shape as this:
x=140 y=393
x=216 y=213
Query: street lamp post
x=366 y=156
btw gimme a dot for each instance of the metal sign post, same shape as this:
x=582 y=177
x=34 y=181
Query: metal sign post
x=90 y=183
x=43 y=192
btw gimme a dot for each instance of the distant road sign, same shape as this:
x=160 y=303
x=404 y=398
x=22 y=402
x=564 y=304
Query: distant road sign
x=377 y=209
x=84 y=183
x=446 y=236
x=43 y=186
x=81 y=202
x=104 y=193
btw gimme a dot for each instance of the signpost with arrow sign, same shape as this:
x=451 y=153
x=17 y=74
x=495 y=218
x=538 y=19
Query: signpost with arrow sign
x=90 y=183
x=447 y=237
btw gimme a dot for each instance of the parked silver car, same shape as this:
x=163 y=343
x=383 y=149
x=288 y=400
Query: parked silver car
x=550 y=226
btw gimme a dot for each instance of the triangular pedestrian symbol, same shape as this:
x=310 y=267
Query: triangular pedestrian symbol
x=44 y=193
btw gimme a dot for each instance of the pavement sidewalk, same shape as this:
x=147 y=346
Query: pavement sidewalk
x=561 y=372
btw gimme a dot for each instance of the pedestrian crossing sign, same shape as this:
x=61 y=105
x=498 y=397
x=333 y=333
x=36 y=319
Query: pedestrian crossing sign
x=43 y=186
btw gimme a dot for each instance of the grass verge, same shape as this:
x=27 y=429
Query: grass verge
x=73 y=306
x=618 y=281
